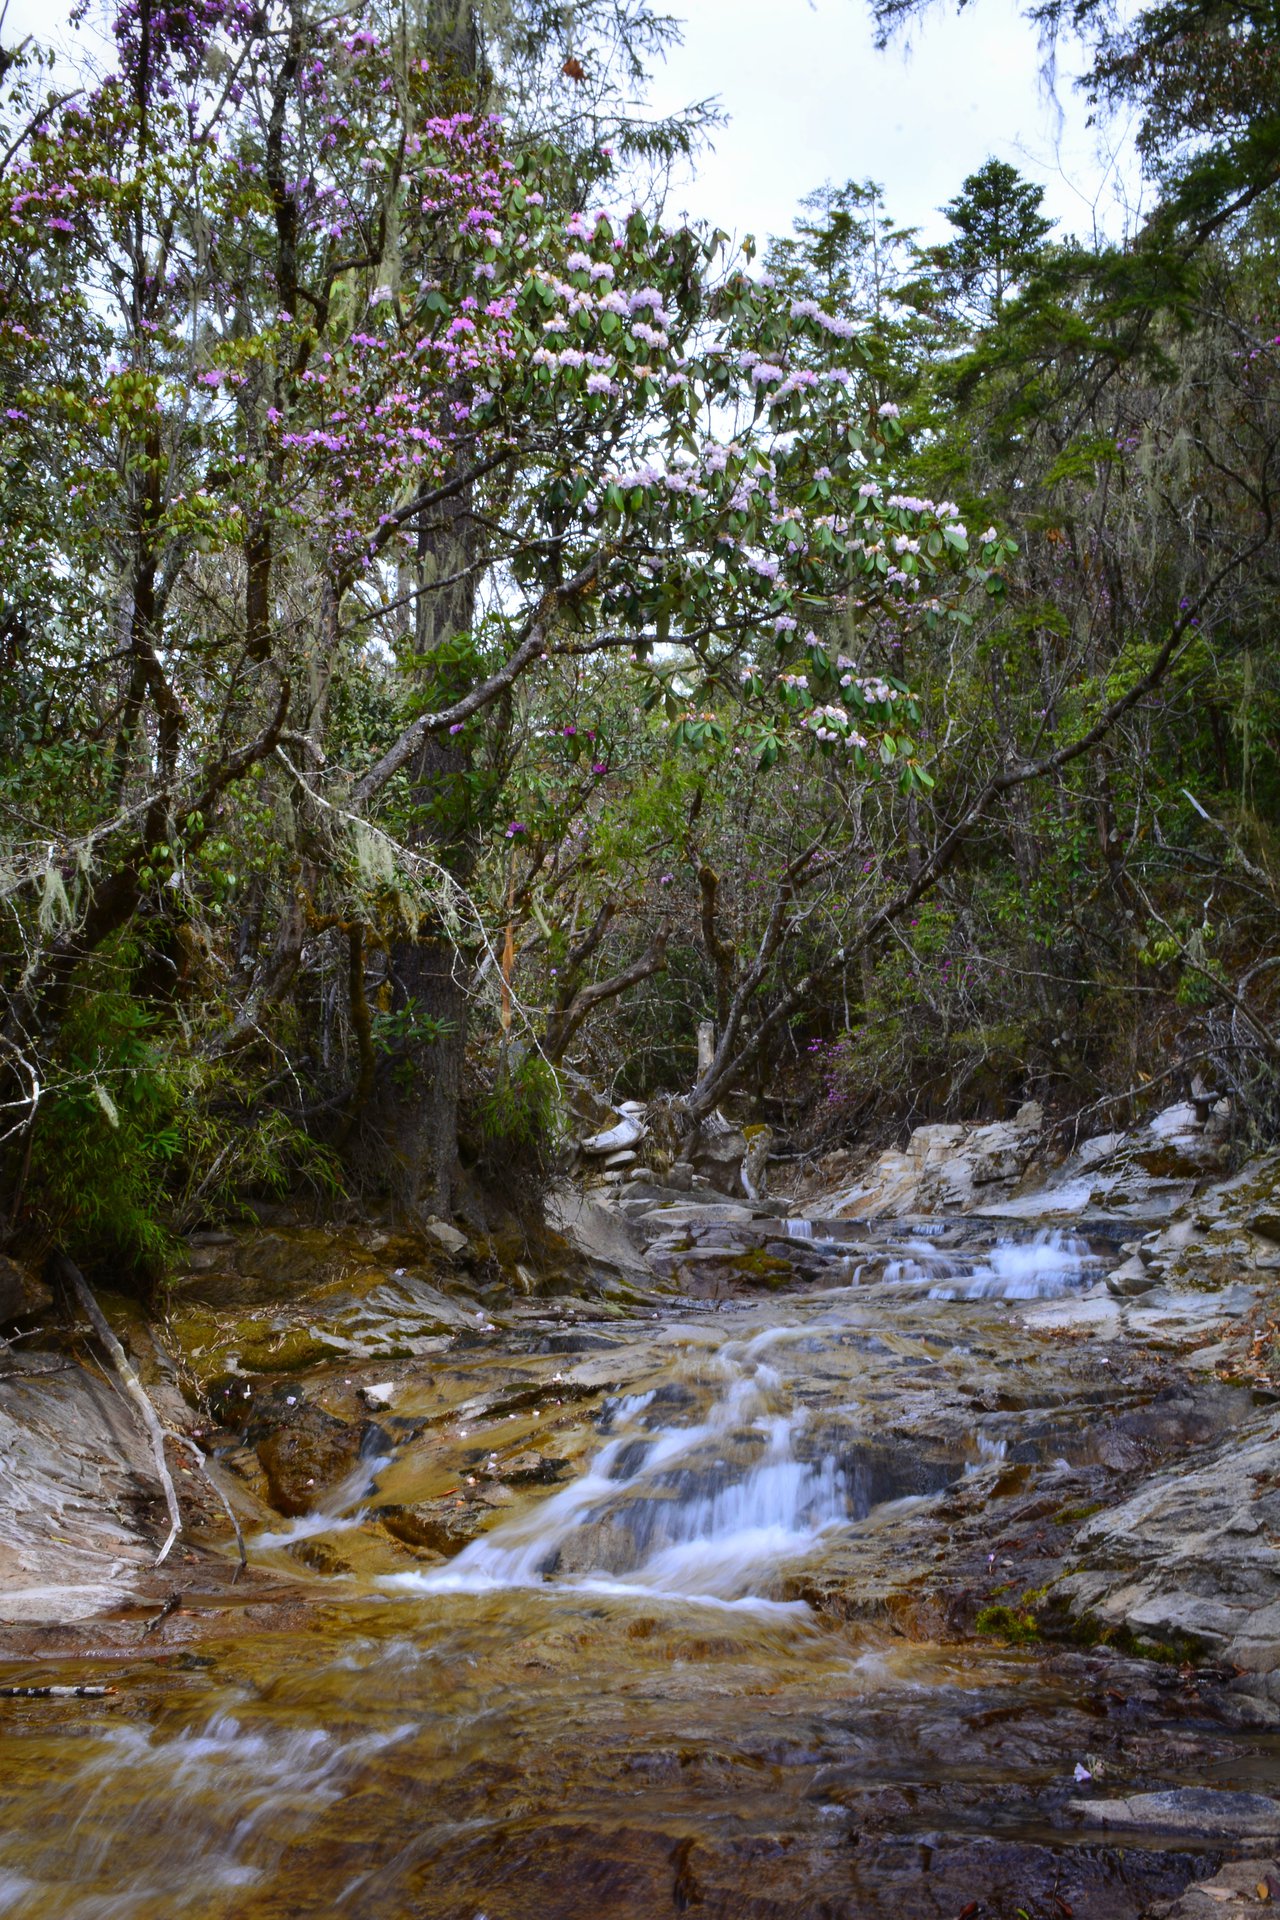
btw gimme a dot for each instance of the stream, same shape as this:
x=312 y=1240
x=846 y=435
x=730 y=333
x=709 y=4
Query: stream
x=644 y=1616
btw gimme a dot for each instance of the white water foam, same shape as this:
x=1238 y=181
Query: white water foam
x=341 y=1508
x=215 y=1808
x=692 y=1525
x=1046 y=1267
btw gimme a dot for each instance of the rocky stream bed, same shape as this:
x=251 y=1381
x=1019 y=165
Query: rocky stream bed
x=703 y=1556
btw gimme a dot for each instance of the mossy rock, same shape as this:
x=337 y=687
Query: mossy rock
x=763 y=1269
x=291 y=1351
x=1015 y=1626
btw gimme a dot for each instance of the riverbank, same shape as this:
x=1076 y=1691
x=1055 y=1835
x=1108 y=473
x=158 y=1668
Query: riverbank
x=853 y=1566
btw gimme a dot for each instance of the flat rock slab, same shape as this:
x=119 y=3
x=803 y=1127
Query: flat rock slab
x=718 y=1213
x=78 y=1489
x=1206 y=1813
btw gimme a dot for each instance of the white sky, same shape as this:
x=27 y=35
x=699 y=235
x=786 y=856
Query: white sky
x=810 y=99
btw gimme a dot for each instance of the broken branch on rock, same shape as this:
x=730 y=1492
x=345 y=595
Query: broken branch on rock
x=65 y=1270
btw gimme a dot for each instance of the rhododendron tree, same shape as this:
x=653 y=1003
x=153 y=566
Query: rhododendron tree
x=336 y=432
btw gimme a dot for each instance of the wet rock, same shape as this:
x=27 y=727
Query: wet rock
x=529 y=1469
x=1204 y=1812
x=877 y=1473
x=22 y=1292
x=575 y=1342
x=303 y=1452
x=432 y=1527
x=1241 y=1889
x=601 y=1546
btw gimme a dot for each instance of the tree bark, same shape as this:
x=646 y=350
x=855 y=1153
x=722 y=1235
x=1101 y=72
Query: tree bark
x=413 y=1112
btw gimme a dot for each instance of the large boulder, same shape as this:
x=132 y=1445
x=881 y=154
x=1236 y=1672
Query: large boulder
x=718 y=1153
x=1176 y=1145
x=1187 y=1564
x=947 y=1167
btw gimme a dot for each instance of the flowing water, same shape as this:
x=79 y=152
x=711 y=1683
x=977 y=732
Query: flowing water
x=616 y=1699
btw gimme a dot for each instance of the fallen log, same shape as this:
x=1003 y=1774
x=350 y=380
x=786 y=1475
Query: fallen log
x=56 y=1693
x=66 y=1271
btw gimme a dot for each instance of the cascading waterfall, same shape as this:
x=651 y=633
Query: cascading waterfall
x=702 y=1511
x=551 y=1723
x=1045 y=1267
x=708 y=1507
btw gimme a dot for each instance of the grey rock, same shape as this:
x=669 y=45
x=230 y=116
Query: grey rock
x=718 y=1153
x=1101 y=1148
x=665 y=1219
x=1181 y=1561
x=628 y=1133
x=755 y=1163
x=598 y=1232
x=1208 y=1812
x=77 y=1472
x=446 y=1236
x=947 y=1168
x=1134 y=1276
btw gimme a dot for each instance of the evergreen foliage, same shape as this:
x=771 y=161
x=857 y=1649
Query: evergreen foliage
x=455 y=632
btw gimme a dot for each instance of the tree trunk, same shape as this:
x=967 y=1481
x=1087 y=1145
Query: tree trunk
x=419 y=1082
x=414 y=1111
